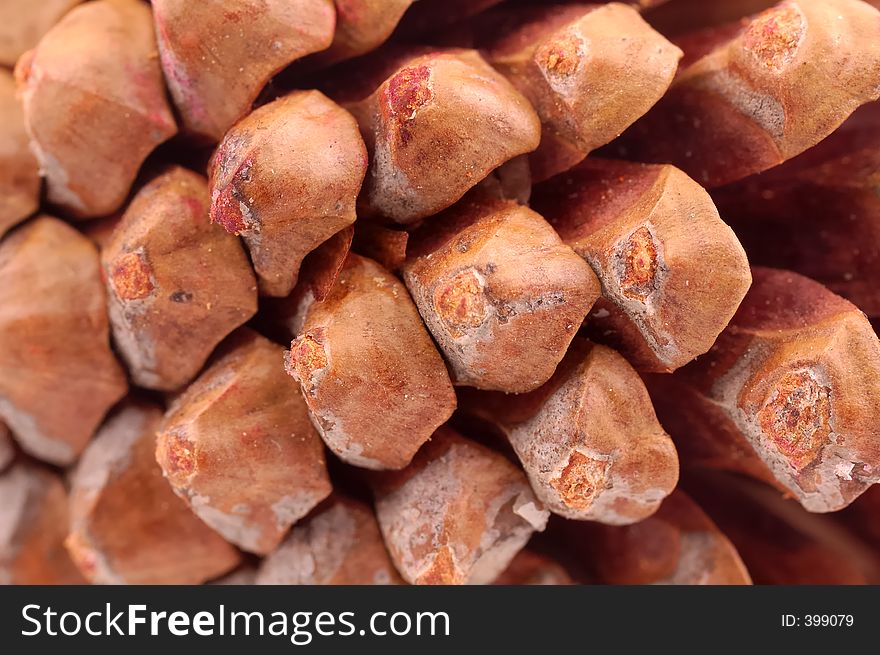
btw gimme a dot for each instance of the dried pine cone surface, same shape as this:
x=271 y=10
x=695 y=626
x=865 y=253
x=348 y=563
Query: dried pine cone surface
x=440 y=292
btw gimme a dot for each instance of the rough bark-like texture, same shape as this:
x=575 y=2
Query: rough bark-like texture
x=58 y=376
x=339 y=545
x=588 y=440
x=531 y=568
x=218 y=56
x=458 y=514
x=672 y=272
x=786 y=80
x=286 y=179
x=239 y=447
x=127 y=526
x=679 y=545
x=789 y=394
x=361 y=26
x=435 y=128
x=94 y=104
x=819 y=214
x=33 y=524
x=375 y=384
x=500 y=292
x=19 y=173
x=24 y=22
x=176 y=284
x=779 y=541
x=590 y=71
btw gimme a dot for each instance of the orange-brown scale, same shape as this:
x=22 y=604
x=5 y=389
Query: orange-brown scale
x=639 y=259
x=226 y=206
x=178 y=458
x=775 y=35
x=581 y=480
x=132 y=276
x=797 y=417
x=460 y=302
x=226 y=211
x=442 y=570
x=407 y=92
x=560 y=57
x=306 y=357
